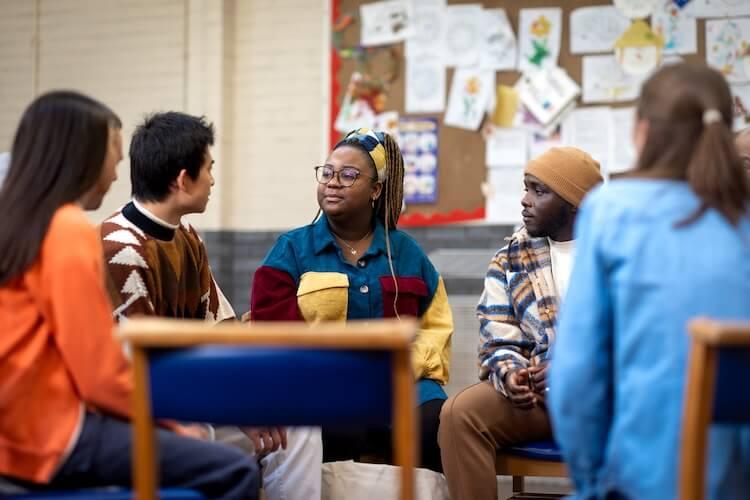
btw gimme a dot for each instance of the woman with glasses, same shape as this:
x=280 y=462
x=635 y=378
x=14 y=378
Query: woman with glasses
x=353 y=263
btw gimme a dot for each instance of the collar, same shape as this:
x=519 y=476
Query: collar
x=148 y=222
x=323 y=238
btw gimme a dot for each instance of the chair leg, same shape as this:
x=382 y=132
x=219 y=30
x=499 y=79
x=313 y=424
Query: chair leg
x=404 y=422
x=518 y=486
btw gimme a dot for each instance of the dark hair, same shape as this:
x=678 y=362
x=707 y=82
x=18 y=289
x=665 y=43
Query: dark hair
x=676 y=101
x=162 y=146
x=388 y=205
x=58 y=154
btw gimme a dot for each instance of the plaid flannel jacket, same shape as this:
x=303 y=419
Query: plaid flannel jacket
x=518 y=308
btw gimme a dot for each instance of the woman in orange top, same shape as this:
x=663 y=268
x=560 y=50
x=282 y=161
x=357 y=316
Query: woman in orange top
x=66 y=385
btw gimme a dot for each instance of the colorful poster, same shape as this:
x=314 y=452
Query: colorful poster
x=677 y=26
x=728 y=47
x=539 y=31
x=595 y=29
x=418 y=140
x=470 y=94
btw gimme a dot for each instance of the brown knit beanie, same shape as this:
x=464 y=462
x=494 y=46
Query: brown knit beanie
x=569 y=172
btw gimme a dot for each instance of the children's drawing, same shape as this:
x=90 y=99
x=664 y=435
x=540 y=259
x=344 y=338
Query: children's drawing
x=636 y=9
x=719 y=8
x=605 y=81
x=425 y=85
x=595 y=29
x=539 y=32
x=499 y=49
x=355 y=111
x=462 y=34
x=728 y=47
x=638 y=50
x=385 y=22
x=677 y=26
x=741 y=100
x=470 y=93
x=427 y=26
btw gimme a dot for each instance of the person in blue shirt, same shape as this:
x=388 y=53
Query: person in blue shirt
x=666 y=243
x=353 y=263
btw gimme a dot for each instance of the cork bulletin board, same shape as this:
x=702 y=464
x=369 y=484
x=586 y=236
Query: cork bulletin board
x=461 y=162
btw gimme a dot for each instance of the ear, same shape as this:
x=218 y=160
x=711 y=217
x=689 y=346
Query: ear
x=377 y=190
x=183 y=181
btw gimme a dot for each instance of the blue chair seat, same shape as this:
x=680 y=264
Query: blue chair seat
x=103 y=494
x=538 y=450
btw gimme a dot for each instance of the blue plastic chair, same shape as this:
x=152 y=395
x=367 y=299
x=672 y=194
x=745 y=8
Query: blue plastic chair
x=720 y=354
x=535 y=459
x=271 y=374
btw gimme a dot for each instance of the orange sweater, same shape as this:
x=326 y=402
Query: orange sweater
x=57 y=351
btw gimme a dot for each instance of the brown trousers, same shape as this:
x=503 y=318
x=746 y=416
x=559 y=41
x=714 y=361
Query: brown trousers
x=474 y=424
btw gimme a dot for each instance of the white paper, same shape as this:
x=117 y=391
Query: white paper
x=622 y=155
x=462 y=34
x=677 y=26
x=539 y=144
x=387 y=122
x=503 y=192
x=596 y=29
x=385 y=22
x=427 y=26
x=604 y=81
x=499 y=49
x=636 y=9
x=588 y=129
x=546 y=93
x=539 y=33
x=470 y=91
x=727 y=41
x=425 y=85
x=719 y=8
x=741 y=97
x=507 y=147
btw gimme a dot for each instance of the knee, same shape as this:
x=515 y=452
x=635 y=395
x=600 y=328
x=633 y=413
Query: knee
x=458 y=416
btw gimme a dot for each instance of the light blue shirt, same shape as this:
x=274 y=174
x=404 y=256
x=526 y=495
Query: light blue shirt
x=619 y=363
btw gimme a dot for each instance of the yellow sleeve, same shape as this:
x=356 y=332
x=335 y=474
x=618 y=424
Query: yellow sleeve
x=431 y=353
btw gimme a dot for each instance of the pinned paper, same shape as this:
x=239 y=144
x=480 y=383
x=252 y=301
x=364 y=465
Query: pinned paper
x=678 y=28
x=385 y=22
x=462 y=34
x=499 y=50
x=719 y=8
x=506 y=147
x=471 y=90
x=741 y=101
x=425 y=85
x=622 y=152
x=589 y=129
x=596 y=29
x=636 y=9
x=638 y=50
x=387 y=122
x=728 y=47
x=418 y=140
x=539 y=31
x=427 y=27
x=605 y=81
x=503 y=191
x=355 y=112
x=546 y=93
x=506 y=105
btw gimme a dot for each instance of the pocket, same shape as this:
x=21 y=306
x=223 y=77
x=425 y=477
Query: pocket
x=323 y=296
x=411 y=291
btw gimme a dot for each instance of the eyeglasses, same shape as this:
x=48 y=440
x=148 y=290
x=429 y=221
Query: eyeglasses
x=346 y=176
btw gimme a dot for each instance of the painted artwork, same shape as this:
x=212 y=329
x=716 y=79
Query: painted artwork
x=728 y=47
x=418 y=140
x=605 y=81
x=499 y=49
x=677 y=26
x=470 y=94
x=385 y=22
x=462 y=34
x=595 y=29
x=540 y=32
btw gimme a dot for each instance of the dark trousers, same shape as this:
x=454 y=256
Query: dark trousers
x=355 y=442
x=102 y=457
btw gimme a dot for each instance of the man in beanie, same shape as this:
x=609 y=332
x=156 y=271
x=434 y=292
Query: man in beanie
x=517 y=313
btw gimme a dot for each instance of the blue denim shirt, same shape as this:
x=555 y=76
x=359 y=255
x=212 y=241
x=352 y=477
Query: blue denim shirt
x=619 y=364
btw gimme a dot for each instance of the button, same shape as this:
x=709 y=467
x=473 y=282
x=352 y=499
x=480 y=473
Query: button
x=361 y=263
x=364 y=289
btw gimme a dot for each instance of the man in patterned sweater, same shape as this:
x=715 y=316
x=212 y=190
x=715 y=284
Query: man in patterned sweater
x=517 y=314
x=157 y=263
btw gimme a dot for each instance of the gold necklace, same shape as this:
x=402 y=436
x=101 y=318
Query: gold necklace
x=352 y=250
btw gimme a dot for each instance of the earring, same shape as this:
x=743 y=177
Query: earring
x=372 y=202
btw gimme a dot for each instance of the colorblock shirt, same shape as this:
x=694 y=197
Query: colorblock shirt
x=57 y=351
x=305 y=277
x=517 y=310
x=159 y=270
x=617 y=374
